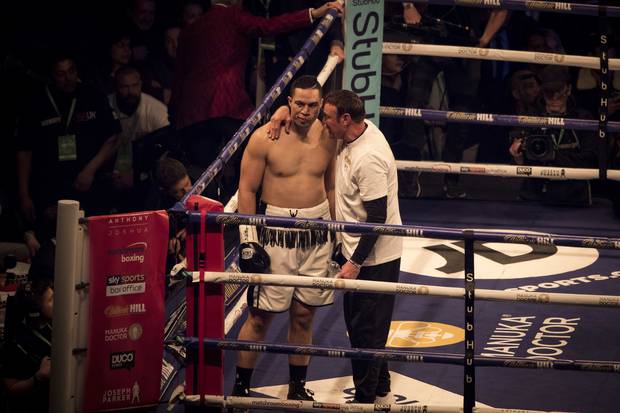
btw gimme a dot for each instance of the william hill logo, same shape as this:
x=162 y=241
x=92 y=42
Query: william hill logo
x=421 y=334
x=124 y=310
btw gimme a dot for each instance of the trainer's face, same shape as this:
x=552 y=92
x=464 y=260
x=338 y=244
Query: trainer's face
x=335 y=124
x=305 y=105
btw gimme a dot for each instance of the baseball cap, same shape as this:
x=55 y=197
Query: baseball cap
x=554 y=78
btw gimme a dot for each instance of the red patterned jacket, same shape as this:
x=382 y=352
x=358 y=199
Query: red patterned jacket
x=209 y=79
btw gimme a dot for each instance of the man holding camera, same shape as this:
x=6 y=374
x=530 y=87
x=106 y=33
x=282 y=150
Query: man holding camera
x=556 y=147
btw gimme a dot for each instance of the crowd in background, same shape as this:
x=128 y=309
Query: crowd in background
x=121 y=104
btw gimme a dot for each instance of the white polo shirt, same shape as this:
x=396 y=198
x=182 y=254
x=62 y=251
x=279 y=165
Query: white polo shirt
x=150 y=115
x=366 y=170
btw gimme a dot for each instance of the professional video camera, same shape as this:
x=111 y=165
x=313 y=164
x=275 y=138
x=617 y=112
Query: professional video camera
x=539 y=147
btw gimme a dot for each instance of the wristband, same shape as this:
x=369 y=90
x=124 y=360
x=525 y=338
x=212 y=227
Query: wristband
x=356 y=265
x=247 y=233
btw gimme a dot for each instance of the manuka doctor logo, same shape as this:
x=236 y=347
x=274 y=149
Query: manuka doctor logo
x=125 y=284
x=123 y=360
x=131 y=253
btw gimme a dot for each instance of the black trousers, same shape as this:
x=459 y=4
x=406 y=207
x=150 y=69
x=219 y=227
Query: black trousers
x=368 y=318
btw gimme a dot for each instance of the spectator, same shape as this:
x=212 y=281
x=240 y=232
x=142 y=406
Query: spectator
x=158 y=73
x=66 y=135
x=192 y=10
x=209 y=101
x=139 y=114
x=462 y=78
x=145 y=38
x=557 y=146
x=26 y=357
x=117 y=55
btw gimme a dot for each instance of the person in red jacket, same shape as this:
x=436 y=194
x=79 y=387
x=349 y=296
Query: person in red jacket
x=209 y=101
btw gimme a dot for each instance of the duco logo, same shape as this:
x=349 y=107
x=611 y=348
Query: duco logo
x=421 y=334
x=123 y=360
x=493 y=260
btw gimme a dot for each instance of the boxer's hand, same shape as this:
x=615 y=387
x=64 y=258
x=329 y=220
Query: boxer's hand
x=252 y=256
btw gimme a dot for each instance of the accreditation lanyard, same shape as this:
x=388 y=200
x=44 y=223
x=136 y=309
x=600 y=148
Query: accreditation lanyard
x=67 y=147
x=558 y=141
x=71 y=108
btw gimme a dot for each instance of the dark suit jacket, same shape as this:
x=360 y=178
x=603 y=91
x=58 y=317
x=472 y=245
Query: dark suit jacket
x=209 y=80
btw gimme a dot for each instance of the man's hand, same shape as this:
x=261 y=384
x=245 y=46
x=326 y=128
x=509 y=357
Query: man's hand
x=45 y=369
x=84 y=180
x=280 y=117
x=515 y=150
x=32 y=243
x=348 y=271
x=411 y=15
x=322 y=11
x=122 y=180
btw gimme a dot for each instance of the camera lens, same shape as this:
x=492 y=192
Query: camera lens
x=539 y=147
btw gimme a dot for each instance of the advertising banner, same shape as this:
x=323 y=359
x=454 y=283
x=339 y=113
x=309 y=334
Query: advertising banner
x=364 y=50
x=126 y=293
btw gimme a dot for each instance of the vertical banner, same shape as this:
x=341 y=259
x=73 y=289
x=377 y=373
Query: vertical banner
x=127 y=312
x=364 y=49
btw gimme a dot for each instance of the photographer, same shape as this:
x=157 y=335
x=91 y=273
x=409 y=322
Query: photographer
x=556 y=147
x=26 y=362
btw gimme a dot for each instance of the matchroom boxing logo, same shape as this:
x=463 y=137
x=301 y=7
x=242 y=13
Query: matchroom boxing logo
x=493 y=260
x=422 y=334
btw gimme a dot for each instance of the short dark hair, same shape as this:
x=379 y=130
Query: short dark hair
x=169 y=171
x=347 y=102
x=60 y=56
x=126 y=70
x=306 y=82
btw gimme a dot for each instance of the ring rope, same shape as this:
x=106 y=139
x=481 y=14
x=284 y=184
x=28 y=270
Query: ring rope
x=546 y=6
x=406 y=356
x=494 y=119
x=557 y=173
x=260 y=112
x=384 y=287
x=419 y=49
x=315 y=407
x=578 y=241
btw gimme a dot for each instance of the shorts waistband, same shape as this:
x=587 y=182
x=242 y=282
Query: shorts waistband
x=318 y=211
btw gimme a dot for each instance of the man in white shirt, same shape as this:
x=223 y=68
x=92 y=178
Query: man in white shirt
x=139 y=115
x=366 y=191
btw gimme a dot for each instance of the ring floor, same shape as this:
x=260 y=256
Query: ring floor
x=503 y=329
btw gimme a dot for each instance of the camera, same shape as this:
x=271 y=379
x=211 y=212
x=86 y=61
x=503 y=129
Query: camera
x=538 y=147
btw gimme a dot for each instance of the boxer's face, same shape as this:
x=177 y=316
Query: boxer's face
x=305 y=105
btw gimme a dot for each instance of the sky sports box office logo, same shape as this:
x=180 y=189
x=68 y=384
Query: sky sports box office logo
x=125 y=284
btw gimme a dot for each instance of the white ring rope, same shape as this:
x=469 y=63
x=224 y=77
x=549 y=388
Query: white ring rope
x=519 y=171
x=315 y=406
x=417 y=49
x=384 y=287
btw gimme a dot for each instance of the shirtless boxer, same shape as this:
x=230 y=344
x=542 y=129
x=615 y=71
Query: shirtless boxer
x=295 y=176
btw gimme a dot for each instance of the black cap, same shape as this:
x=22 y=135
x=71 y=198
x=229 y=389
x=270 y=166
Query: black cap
x=554 y=78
